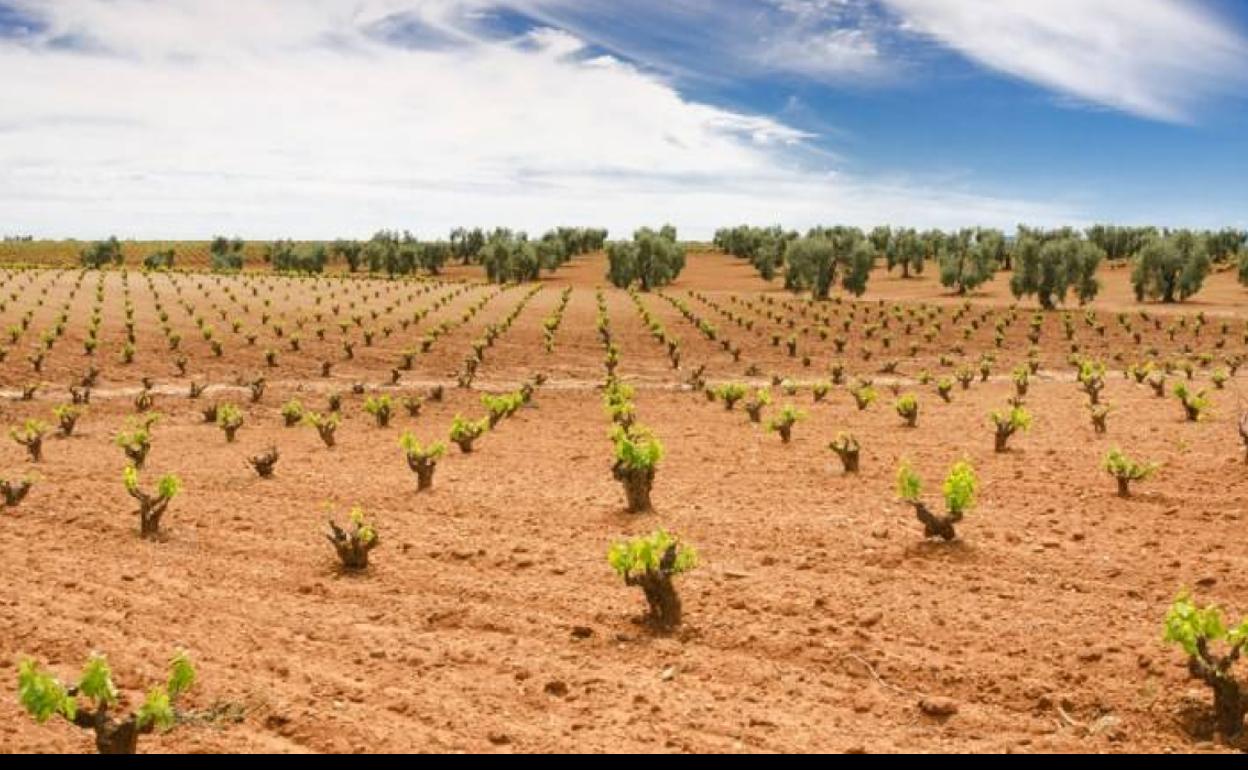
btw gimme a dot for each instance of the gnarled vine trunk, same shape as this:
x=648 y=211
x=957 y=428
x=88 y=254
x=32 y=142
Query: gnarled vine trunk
x=1229 y=704
x=423 y=467
x=935 y=525
x=664 y=604
x=112 y=736
x=637 y=485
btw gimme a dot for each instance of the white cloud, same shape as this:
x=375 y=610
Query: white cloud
x=1159 y=59
x=292 y=118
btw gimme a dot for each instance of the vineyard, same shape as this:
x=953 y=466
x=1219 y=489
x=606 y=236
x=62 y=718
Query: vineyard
x=427 y=512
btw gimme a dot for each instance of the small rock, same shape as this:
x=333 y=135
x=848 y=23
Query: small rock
x=1109 y=725
x=556 y=688
x=582 y=632
x=870 y=618
x=938 y=706
x=668 y=674
x=1207 y=582
x=499 y=739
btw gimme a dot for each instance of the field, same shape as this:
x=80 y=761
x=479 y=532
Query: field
x=818 y=619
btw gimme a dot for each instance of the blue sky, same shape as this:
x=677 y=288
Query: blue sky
x=320 y=118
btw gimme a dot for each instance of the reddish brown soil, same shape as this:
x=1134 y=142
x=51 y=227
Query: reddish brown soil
x=819 y=619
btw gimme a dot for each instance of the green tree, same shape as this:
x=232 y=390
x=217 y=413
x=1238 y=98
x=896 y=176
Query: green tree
x=289 y=257
x=392 y=252
x=510 y=258
x=350 y=252
x=555 y=248
x=1170 y=268
x=159 y=260
x=1120 y=242
x=764 y=248
x=467 y=244
x=881 y=239
x=433 y=255
x=816 y=261
x=226 y=254
x=1050 y=269
x=1224 y=245
x=907 y=251
x=970 y=259
x=102 y=253
x=652 y=259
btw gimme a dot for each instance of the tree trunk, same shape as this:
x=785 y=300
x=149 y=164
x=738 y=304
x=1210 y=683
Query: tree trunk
x=637 y=484
x=117 y=737
x=1228 y=696
x=935 y=526
x=111 y=736
x=423 y=468
x=150 y=511
x=665 y=610
x=1228 y=706
x=849 y=460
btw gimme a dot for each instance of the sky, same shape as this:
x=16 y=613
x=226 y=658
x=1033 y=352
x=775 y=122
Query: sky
x=312 y=119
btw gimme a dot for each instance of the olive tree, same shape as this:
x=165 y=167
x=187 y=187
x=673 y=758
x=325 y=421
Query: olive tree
x=970 y=259
x=287 y=256
x=1224 y=245
x=1119 y=242
x=819 y=259
x=467 y=244
x=764 y=247
x=510 y=258
x=652 y=259
x=227 y=254
x=102 y=253
x=1170 y=268
x=161 y=259
x=881 y=239
x=906 y=251
x=350 y=252
x=1049 y=269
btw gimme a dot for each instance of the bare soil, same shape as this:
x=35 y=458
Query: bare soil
x=818 y=620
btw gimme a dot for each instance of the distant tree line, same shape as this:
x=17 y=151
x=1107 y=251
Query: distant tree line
x=1050 y=265
x=507 y=255
x=510 y=257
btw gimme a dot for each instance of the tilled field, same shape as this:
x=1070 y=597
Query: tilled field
x=819 y=619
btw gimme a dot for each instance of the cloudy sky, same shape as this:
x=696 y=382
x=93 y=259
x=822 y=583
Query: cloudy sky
x=323 y=118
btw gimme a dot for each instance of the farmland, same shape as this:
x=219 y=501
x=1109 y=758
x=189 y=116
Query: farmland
x=817 y=618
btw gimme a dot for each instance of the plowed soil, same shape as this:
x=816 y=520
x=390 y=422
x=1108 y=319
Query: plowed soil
x=818 y=620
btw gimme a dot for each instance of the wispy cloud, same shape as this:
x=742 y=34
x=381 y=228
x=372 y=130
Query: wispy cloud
x=1159 y=59
x=318 y=118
